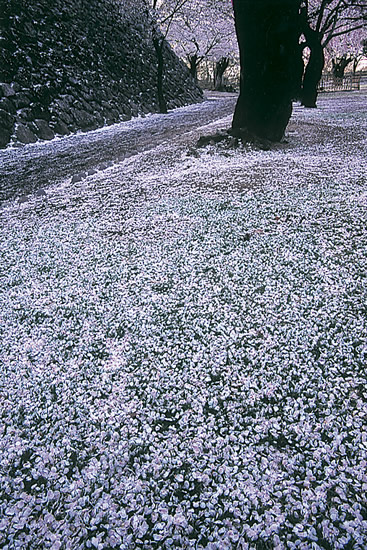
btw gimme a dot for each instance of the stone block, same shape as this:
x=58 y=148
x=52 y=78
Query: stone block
x=43 y=130
x=6 y=90
x=37 y=111
x=7 y=105
x=5 y=136
x=84 y=120
x=24 y=134
x=24 y=115
x=66 y=116
x=22 y=99
x=6 y=120
x=59 y=127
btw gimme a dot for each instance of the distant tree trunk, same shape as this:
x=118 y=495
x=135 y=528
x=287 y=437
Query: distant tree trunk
x=220 y=68
x=268 y=34
x=194 y=62
x=158 y=42
x=356 y=61
x=314 y=67
x=340 y=64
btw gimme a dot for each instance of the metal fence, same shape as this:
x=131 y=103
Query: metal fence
x=330 y=83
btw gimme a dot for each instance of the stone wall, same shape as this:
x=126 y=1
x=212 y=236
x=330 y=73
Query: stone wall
x=71 y=65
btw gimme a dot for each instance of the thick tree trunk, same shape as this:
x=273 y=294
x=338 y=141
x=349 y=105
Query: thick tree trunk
x=314 y=68
x=220 y=68
x=158 y=46
x=268 y=36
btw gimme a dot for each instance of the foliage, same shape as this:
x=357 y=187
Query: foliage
x=325 y=22
x=346 y=47
x=341 y=24
x=198 y=30
x=335 y=18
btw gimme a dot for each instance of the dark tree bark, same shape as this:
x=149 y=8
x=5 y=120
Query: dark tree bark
x=194 y=62
x=340 y=64
x=328 y=19
x=314 y=67
x=220 y=68
x=158 y=42
x=356 y=61
x=268 y=34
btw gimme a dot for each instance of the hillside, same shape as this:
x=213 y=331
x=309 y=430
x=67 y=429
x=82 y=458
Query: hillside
x=75 y=65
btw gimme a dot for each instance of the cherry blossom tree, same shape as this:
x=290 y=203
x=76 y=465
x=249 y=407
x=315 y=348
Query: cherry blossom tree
x=165 y=12
x=325 y=21
x=360 y=55
x=198 y=30
x=148 y=12
x=345 y=50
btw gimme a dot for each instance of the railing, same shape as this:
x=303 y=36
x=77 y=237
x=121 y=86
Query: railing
x=330 y=83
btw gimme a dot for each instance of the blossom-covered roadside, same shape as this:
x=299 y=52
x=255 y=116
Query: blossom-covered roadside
x=183 y=348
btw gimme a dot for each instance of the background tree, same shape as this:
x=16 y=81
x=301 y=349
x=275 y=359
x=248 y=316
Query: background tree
x=165 y=13
x=323 y=22
x=202 y=30
x=360 y=55
x=339 y=64
x=268 y=33
x=221 y=65
x=345 y=50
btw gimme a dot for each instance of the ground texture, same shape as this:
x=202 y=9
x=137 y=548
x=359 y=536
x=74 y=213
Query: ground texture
x=26 y=170
x=183 y=347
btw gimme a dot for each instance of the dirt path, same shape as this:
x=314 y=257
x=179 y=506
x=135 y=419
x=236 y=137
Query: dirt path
x=27 y=169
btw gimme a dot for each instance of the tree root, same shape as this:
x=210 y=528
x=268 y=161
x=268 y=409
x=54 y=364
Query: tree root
x=232 y=139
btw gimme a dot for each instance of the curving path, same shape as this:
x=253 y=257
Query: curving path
x=24 y=170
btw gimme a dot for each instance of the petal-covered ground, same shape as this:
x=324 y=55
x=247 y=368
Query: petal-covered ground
x=183 y=348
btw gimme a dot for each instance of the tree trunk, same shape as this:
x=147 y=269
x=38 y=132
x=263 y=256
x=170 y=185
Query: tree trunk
x=340 y=64
x=314 y=68
x=220 y=68
x=268 y=34
x=356 y=61
x=158 y=42
x=193 y=65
